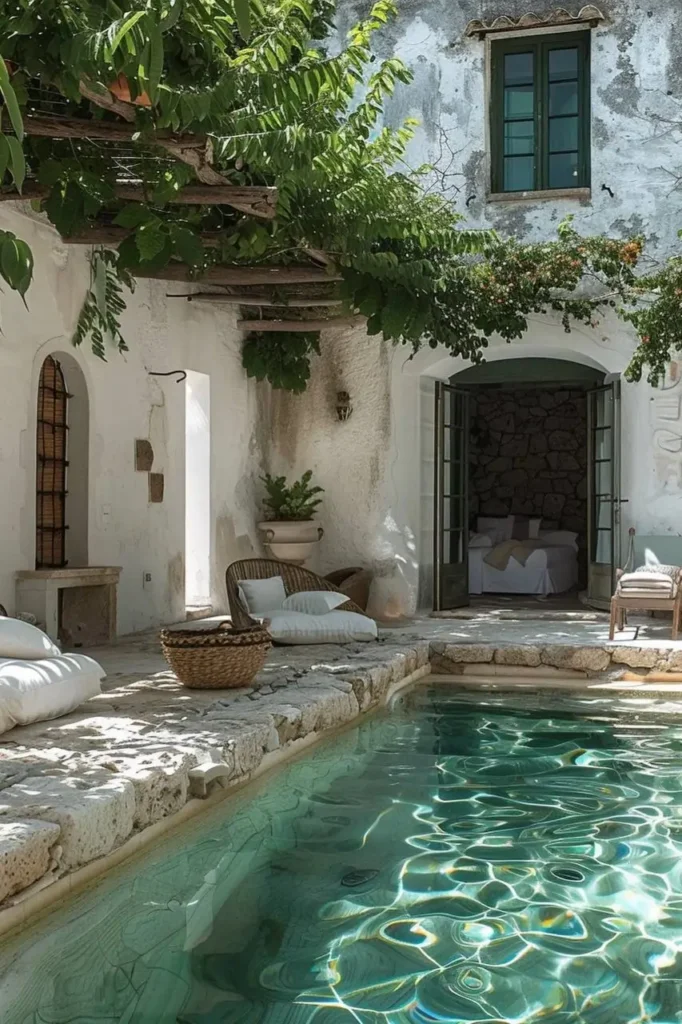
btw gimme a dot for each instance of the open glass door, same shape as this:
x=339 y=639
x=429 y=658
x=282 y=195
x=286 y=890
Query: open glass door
x=451 y=526
x=603 y=492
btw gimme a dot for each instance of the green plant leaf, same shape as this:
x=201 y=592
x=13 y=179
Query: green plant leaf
x=17 y=161
x=11 y=102
x=127 y=27
x=187 y=245
x=242 y=9
x=4 y=155
x=133 y=215
x=16 y=262
x=155 y=61
x=150 y=238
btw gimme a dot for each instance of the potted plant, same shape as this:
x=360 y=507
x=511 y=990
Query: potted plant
x=289 y=529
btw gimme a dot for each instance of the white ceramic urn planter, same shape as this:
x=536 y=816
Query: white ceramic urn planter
x=291 y=540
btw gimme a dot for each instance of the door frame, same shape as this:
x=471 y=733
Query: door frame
x=443 y=493
x=601 y=576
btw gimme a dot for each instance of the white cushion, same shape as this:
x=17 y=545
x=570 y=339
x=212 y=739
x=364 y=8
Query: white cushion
x=314 y=602
x=480 y=540
x=286 y=627
x=22 y=640
x=534 y=528
x=497 y=528
x=559 y=538
x=34 y=691
x=260 y=596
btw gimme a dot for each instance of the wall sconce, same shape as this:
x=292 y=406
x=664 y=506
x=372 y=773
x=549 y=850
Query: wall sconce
x=344 y=409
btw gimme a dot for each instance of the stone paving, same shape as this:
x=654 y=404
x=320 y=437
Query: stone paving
x=76 y=788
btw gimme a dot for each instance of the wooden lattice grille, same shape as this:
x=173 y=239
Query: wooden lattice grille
x=52 y=443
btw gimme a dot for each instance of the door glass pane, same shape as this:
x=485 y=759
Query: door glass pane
x=563 y=134
x=563 y=98
x=519 y=174
x=519 y=138
x=563 y=64
x=563 y=170
x=518 y=69
x=519 y=101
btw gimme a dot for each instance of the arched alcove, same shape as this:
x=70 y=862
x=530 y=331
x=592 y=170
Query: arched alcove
x=62 y=463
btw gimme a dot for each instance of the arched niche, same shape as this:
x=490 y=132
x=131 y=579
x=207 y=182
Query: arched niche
x=62 y=463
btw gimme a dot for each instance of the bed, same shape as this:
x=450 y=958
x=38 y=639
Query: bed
x=500 y=563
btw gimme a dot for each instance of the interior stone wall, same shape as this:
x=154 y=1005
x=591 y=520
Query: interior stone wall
x=528 y=456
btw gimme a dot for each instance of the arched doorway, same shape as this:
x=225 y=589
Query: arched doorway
x=530 y=446
x=62 y=449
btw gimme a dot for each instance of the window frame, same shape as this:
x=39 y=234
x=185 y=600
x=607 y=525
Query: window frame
x=540 y=44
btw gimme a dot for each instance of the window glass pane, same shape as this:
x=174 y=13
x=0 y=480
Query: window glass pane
x=563 y=64
x=519 y=174
x=519 y=138
x=563 y=98
x=518 y=69
x=563 y=170
x=563 y=134
x=518 y=101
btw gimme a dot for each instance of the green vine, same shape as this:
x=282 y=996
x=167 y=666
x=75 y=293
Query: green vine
x=281 y=359
x=99 y=316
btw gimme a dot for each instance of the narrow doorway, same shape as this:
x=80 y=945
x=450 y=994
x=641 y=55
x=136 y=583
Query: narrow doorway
x=527 y=484
x=197 y=490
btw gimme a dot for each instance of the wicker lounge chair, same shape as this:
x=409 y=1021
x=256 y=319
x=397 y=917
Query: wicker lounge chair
x=296 y=580
x=621 y=603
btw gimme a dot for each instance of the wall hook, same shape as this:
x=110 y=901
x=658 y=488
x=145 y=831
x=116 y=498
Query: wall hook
x=182 y=375
x=605 y=188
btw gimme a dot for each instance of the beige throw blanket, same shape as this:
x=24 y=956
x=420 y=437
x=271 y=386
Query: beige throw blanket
x=498 y=557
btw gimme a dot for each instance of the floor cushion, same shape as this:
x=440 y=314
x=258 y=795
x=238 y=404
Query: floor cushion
x=20 y=639
x=314 y=602
x=287 y=627
x=35 y=691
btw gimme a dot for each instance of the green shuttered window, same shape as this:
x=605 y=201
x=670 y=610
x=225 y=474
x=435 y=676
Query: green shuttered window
x=540 y=113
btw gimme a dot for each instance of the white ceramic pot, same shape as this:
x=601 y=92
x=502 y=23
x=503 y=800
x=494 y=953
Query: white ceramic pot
x=290 y=540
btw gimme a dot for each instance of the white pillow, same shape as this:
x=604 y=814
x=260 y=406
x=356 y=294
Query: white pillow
x=20 y=639
x=333 y=628
x=480 y=540
x=260 y=596
x=560 y=538
x=497 y=528
x=35 y=691
x=314 y=602
x=534 y=528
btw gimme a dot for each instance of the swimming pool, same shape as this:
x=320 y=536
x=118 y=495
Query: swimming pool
x=464 y=857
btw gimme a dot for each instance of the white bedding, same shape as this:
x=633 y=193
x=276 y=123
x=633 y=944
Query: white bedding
x=548 y=570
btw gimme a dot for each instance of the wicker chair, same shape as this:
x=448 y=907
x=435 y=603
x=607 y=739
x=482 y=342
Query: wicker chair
x=296 y=580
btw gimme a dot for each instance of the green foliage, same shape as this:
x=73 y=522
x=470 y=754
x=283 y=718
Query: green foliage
x=16 y=262
x=297 y=501
x=103 y=304
x=281 y=359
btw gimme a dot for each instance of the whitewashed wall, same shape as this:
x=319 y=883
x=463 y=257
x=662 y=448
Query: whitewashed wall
x=124 y=529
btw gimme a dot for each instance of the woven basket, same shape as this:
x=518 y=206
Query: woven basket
x=218 y=658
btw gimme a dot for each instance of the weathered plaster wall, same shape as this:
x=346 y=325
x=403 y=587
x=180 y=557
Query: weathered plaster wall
x=126 y=403
x=636 y=91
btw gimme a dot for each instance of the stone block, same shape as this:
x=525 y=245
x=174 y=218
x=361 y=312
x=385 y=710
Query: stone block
x=563 y=486
x=24 y=853
x=563 y=441
x=563 y=461
x=514 y=445
x=635 y=657
x=503 y=424
x=468 y=654
x=518 y=655
x=94 y=814
x=538 y=443
x=500 y=465
x=579 y=659
x=494 y=508
x=553 y=505
x=532 y=462
x=514 y=478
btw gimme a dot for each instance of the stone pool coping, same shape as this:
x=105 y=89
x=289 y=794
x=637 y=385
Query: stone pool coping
x=84 y=792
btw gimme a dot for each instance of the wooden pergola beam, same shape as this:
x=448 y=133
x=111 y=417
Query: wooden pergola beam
x=103 y=131
x=298 y=326
x=111 y=235
x=259 y=300
x=262 y=198
x=238 y=276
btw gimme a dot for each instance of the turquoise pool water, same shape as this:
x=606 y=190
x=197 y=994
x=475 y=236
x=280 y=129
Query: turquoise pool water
x=461 y=858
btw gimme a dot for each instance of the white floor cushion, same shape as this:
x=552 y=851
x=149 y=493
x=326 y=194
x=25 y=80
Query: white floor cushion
x=314 y=602
x=261 y=596
x=20 y=639
x=35 y=691
x=333 y=628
